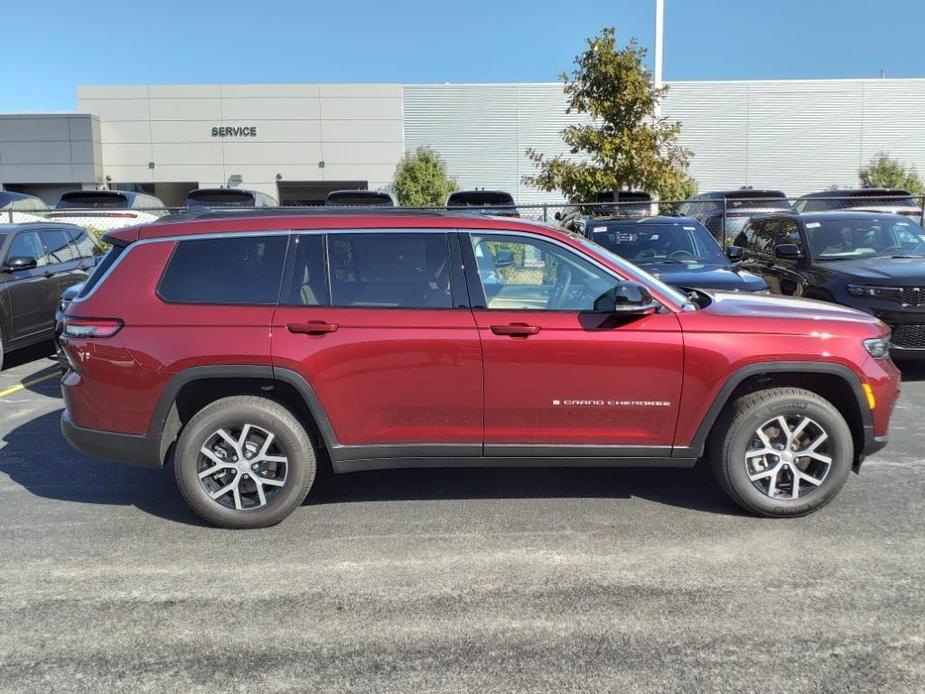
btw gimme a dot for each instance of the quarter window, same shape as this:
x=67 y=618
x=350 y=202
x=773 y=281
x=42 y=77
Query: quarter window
x=238 y=270
x=384 y=269
x=519 y=273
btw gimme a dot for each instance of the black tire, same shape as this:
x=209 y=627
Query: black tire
x=290 y=440
x=738 y=429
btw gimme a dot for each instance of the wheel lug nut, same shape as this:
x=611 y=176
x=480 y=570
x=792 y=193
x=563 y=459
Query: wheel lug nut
x=254 y=467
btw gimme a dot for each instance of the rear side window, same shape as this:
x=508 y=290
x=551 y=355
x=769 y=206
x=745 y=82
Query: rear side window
x=84 y=244
x=238 y=270
x=390 y=270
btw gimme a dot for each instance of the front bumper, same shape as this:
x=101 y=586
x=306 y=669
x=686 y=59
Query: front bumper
x=143 y=450
x=907 y=326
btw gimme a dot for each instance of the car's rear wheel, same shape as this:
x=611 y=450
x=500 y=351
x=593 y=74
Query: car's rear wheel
x=244 y=462
x=782 y=452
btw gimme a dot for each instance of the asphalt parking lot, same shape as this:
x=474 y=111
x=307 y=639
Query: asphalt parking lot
x=453 y=580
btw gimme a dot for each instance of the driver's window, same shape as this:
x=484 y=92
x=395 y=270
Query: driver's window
x=519 y=273
x=28 y=245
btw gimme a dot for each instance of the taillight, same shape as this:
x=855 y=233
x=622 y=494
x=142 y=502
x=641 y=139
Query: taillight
x=91 y=327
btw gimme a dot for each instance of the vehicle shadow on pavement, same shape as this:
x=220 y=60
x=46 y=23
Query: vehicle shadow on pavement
x=37 y=457
x=28 y=354
x=685 y=488
x=911 y=370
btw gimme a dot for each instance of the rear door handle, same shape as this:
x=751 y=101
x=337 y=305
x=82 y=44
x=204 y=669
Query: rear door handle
x=515 y=329
x=312 y=327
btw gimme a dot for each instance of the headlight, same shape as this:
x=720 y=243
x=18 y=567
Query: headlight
x=875 y=292
x=878 y=347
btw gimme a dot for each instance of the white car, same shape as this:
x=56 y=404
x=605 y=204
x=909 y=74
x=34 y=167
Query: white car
x=105 y=210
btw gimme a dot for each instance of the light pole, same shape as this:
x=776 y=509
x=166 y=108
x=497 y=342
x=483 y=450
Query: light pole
x=659 y=29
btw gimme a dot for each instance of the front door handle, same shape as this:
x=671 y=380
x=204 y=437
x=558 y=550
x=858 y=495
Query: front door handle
x=312 y=327
x=515 y=329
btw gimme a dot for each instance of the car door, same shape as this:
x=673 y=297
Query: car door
x=758 y=255
x=63 y=262
x=560 y=379
x=787 y=272
x=377 y=323
x=32 y=292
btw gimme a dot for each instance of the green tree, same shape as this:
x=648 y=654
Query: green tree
x=624 y=145
x=885 y=172
x=421 y=180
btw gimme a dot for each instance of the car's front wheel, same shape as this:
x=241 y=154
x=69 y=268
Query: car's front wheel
x=244 y=462
x=782 y=452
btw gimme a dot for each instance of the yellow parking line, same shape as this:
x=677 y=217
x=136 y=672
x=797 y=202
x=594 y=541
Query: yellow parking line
x=28 y=382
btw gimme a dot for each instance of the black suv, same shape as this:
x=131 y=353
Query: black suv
x=726 y=212
x=869 y=261
x=883 y=200
x=677 y=250
x=38 y=261
x=498 y=203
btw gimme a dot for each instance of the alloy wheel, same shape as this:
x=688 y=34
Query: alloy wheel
x=242 y=468
x=788 y=457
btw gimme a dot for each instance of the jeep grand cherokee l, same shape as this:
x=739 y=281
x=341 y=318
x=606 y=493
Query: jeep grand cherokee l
x=241 y=345
x=873 y=262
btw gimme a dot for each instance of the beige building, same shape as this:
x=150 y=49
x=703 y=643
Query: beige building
x=298 y=141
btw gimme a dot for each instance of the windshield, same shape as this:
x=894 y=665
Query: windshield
x=361 y=198
x=755 y=200
x=880 y=198
x=220 y=197
x=479 y=198
x=670 y=242
x=667 y=291
x=93 y=200
x=839 y=239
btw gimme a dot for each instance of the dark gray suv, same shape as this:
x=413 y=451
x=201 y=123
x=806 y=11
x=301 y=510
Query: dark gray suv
x=38 y=261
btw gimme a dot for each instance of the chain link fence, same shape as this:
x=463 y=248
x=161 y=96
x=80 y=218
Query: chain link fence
x=725 y=216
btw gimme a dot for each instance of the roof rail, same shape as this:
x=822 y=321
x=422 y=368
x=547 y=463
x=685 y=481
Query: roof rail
x=208 y=213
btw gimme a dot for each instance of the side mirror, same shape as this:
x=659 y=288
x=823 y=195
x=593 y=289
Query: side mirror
x=504 y=257
x=788 y=251
x=626 y=299
x=735 y=252
x=19 y=262
x=558 y=216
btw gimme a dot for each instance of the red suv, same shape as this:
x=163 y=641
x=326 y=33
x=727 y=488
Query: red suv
x=243 y=345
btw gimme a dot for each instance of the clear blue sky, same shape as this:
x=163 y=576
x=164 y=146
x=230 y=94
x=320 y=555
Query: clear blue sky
x=50 y=47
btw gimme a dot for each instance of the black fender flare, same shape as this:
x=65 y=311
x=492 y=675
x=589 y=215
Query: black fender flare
x=165 y=421
x=698 y=444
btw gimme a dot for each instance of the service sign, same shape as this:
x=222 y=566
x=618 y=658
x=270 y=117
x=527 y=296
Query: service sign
x=234 y=131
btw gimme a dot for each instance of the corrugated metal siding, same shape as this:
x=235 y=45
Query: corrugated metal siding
x=483 y=131
x=799 y=135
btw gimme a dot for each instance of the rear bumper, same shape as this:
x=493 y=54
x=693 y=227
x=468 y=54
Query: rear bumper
x=141 y=450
